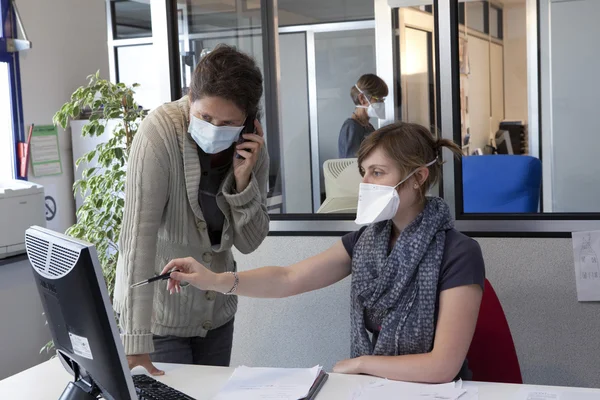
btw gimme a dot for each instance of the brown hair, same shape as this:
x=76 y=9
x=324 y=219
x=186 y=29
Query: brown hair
x=371 y=85
x=410 y=146
x=228 y=73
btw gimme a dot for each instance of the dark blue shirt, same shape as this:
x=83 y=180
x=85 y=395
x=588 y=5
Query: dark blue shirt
x=352 y=135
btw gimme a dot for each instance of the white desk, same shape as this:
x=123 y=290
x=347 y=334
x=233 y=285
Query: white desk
x=48 y=380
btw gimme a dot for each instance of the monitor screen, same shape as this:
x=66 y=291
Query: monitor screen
x=76 y=304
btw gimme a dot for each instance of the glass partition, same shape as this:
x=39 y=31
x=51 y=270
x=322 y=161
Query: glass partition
x=571 y=175
x=318 y=65
x=311 y=12
x=132 y=19
x=341 y=57
x=128 y=72
x=502 y=78
x=513 y=167
x=500 y=173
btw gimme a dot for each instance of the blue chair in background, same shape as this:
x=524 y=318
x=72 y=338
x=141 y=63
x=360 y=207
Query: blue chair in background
x=501 y=184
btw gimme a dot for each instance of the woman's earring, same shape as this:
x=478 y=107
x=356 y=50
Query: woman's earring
x=416 y=186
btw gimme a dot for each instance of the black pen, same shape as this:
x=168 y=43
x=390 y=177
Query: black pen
x=153 y=279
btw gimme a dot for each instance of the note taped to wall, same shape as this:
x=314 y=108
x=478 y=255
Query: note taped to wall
x=45 y=153
x=586 y=250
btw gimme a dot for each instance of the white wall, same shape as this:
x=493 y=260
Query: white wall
x=69 y=43
x=515 y=62
x=556 y=337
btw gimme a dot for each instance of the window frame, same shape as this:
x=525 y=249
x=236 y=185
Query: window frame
x=12 y=59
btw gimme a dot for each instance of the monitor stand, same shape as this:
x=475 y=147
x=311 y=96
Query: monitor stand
x=78 y=391
x=81 y=388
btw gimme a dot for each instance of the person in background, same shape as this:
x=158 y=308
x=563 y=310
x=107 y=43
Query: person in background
x=416 y=282
x=368 y=95
x=196 y=186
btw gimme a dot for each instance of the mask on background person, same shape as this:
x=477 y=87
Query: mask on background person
x=213 y=139
x=374 y=110
x=378 y=203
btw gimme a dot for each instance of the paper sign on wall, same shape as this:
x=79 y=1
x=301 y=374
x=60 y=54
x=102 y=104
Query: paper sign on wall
x=45 y=153
x=586 y=250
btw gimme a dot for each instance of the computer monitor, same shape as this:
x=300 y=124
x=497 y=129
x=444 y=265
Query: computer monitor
x=83 y=325
x=503 y=142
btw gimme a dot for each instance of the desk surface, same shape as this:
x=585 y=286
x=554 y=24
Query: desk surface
x=48 y=380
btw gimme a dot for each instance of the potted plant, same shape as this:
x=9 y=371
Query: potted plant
x=107 y=107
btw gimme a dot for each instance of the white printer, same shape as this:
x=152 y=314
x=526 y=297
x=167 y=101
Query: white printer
x=21 y=206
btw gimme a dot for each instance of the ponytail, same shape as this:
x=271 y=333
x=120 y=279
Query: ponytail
x=449 y=144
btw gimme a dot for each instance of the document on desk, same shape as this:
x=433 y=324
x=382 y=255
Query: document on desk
x=382 y=389
x=532 y=394
x=269 y=383
x=542 y=394
x=586 y=249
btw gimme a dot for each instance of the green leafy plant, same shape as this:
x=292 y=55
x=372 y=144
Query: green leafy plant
x=105 y=105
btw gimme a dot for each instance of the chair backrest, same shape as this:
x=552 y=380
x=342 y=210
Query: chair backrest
x=492 y=356
x=339 y=205
x=342 y=178
x=501 y=184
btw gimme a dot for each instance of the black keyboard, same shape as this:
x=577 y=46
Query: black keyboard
x=148 y=388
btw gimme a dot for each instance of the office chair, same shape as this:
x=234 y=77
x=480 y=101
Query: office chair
x=501 y=184
x=342 y=181
x=492 y=356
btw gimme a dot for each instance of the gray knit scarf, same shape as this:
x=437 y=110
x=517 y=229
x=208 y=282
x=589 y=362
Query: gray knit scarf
x=399 y=289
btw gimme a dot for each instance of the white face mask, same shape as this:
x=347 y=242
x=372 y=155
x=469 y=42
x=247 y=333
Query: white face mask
x=374 y=110
x=378 y=203
x=213 y=139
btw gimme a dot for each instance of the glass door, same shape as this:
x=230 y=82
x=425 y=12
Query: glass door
x=417 y=62
x=415 y=41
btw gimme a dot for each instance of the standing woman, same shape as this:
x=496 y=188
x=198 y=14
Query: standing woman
x=368 y=96
x=196 y=186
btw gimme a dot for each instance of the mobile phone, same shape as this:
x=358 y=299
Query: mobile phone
x=248 y=128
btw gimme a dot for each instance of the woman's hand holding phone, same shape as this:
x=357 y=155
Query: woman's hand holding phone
x=247 y=151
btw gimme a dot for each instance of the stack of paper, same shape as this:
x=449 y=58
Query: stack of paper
x=269 y=383
x=384 y=389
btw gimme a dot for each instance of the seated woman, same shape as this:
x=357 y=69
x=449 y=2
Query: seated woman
x=416 y=284
x=368 y=96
